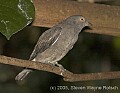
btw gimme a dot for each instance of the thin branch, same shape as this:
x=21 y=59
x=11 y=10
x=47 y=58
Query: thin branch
x=67 y=75
x=104 y=18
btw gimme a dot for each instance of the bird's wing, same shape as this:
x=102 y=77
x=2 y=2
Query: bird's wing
x=47 y=39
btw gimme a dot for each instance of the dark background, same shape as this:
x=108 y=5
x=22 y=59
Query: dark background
x=92 y=53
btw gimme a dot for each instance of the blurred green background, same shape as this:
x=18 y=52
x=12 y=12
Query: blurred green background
x=92 y=53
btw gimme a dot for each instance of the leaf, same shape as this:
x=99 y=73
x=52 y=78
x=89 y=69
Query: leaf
x=15 y=15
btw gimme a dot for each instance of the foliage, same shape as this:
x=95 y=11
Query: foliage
x=15 y=15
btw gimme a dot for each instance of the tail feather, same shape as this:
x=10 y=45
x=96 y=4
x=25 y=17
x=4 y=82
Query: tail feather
x=23 y=74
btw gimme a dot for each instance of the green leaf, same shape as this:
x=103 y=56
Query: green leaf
x=15 y=15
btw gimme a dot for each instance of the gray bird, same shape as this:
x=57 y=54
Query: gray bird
x=56 y=42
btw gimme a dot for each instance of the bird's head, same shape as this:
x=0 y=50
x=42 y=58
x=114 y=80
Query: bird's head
x=78 y=21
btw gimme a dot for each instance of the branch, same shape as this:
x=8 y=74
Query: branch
x=92 y=1
x=67 y=75
x=105 y=18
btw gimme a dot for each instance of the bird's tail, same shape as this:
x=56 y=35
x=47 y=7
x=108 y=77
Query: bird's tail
x=23 y=74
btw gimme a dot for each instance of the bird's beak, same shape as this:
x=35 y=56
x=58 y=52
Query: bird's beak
x=88 y=23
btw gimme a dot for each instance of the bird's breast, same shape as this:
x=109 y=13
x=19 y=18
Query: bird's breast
x=65 y=43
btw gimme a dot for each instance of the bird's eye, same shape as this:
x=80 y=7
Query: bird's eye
x=82 y=19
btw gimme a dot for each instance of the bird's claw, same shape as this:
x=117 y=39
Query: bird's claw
x=62 y=69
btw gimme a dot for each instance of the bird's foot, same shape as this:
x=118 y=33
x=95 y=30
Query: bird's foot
x=62 y=69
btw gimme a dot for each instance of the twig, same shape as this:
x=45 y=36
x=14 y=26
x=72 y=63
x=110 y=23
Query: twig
x=104 y=18
x=67 y=75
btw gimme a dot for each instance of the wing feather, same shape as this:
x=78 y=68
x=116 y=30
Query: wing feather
x=47 y=39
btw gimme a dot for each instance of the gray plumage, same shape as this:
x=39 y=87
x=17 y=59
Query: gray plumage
x=56 y=42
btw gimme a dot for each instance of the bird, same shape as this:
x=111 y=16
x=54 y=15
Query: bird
x=56 y=42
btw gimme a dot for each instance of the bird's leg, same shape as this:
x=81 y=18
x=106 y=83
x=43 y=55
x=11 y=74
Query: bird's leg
x=54 y=64
x=60 y=66
x=62 y=69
